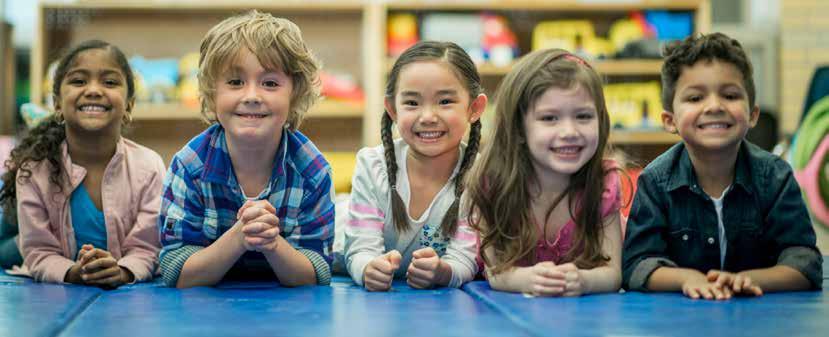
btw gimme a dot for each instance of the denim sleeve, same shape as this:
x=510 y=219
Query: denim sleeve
x=645 y=250
x=791 y=231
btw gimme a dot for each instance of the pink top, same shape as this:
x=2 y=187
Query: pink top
x=556 y=251
x=131 y=195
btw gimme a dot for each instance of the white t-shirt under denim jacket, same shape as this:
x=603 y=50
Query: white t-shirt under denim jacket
x=369 y=231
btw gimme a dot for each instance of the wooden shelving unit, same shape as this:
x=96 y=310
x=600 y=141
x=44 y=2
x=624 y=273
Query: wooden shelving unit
x=348 y=35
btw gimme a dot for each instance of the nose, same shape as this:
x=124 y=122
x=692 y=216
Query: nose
x=428 y=115
x=567 y=128
x=93 y=89
x=714 y=104
x=251 y=96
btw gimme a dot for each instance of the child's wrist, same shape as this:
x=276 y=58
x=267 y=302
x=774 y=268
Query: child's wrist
x=444 y=273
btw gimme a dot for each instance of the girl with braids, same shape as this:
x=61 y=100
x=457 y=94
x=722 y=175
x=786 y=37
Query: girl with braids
x=87 y=199
x=404 y=216
x=544 y=198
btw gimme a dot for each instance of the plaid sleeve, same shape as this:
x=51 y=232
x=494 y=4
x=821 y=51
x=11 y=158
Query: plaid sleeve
x=315 y=238
x=179 y=222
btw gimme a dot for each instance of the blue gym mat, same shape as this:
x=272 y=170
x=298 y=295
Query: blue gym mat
x=343 y=309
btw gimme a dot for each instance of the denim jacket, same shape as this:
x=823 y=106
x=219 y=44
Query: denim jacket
x=673 y=222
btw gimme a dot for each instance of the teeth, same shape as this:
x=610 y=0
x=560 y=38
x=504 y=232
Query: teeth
x=251 y=115
x=567 y=149
x=432 y=134
x=92 y=108
x=715 y=126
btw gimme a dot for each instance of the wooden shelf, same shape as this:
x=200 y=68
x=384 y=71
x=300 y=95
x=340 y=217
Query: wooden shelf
x=604 y=67
x=642 y=137
x=191 y=5
x=176 y=111
x=559 y=5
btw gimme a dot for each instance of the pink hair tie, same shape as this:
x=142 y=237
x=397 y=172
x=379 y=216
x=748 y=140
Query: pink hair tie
x=576 y=59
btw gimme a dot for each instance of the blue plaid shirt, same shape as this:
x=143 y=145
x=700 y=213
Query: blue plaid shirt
x=201 y=198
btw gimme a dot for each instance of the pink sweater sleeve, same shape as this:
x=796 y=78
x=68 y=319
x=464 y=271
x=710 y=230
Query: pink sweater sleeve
x=39 y=245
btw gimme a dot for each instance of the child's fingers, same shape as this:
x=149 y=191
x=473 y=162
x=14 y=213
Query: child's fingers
x=691 y=292
x=260 y=229
x=754 y=290
x=99 y=263
x=541 y=290
x=382 y=267
x=270 y=233
x=426 y=263
x=423 y=253
x=712 y=275
x=705 y=293
x=418 y=282
x=552 y=274
x=420 y=273
x=109 y=281
x=258 y=242
x=394 y=257
x=101 y=274
x=375 y=285
x=718 y=293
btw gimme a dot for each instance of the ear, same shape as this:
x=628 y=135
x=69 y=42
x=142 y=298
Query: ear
x=668 y=122
x=130 y=104
x=390 y=109
x=754 y=116
x=477 y=108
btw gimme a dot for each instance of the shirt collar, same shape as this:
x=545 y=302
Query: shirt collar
x=683 y=175
x=218 y=168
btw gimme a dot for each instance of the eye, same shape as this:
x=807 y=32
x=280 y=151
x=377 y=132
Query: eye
x=549 y=118
x=234 y=82
x=585 y=116
x=732 y=96
x=409 y=103
x=112 y=82
x=694 y=98
x=446 y=101
x=76 y=81
x=270 y=84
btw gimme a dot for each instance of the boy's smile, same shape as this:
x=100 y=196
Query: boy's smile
x=711 y=107
x=252 y=103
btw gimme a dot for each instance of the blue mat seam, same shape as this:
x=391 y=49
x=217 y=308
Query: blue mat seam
x=512 y=317
x=75 y=315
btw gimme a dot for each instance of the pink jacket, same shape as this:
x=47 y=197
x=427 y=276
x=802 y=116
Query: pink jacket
x=131 y=194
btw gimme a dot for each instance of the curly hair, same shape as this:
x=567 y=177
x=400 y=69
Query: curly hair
x=43 y=142
x=716 y=46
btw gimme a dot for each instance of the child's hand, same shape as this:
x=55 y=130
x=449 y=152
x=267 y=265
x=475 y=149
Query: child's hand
x=426 y=270
x=700 y=287
x=379 y=272
x=544 y=279
x=98 y=267
x=259 y=225
x=574 y=282
x=260 y=228
x=739 y=283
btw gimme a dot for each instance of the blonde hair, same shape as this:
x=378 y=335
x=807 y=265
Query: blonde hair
x=499 y=185
x=277 y=44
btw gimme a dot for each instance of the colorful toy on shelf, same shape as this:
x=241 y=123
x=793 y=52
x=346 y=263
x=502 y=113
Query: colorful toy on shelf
x=577 y=36
x=33 y=113
x=634 y=105
x=625 y=31
x=402 y=33
x=188 y=85
x=499 y=43
x=670 y=25
x=466 y=30
x=342 y=87
x=155 y=78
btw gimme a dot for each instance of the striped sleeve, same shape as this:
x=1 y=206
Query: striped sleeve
x=462 y=250
x=364 y=229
